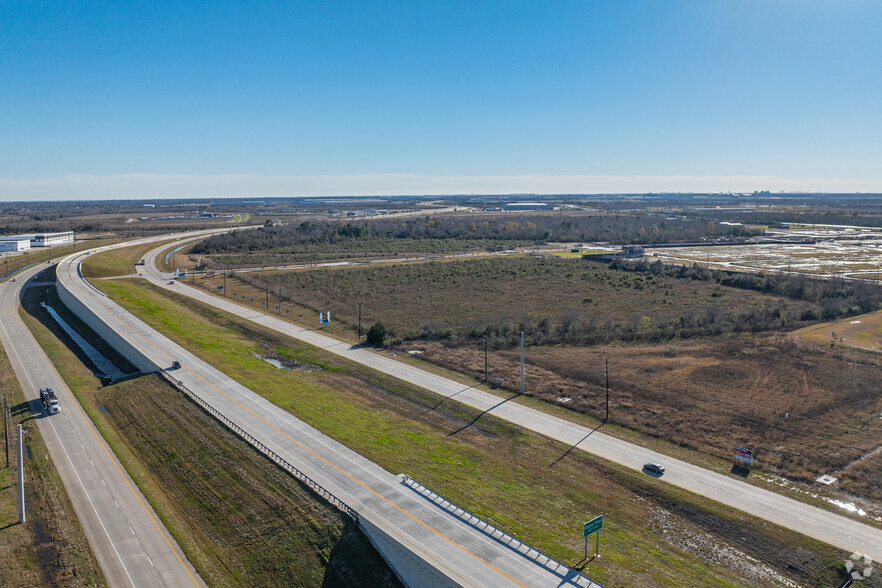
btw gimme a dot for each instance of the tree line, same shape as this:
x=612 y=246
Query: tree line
x=525 y=228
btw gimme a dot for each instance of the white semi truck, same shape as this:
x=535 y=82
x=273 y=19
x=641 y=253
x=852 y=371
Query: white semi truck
x=50 y=402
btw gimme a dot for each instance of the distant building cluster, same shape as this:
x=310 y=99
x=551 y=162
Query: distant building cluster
x=527 y=206
x=187 y=216
x=25 y=242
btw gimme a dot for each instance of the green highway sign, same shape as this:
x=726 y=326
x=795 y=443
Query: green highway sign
x=593 y=525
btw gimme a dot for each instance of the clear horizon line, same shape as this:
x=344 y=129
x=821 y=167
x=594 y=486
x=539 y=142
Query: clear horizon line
x=156 y=186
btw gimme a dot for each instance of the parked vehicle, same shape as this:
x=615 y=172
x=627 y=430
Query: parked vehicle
x=50 y=402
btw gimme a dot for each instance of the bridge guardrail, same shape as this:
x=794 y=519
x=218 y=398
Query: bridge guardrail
x=473 y=520
x=315 y=486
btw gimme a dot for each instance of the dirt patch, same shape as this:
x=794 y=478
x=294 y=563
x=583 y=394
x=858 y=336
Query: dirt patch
x=803 y=409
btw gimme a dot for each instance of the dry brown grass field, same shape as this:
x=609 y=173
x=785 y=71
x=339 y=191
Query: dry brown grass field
x=656 y=534
x=465 y=294
x=803 y=408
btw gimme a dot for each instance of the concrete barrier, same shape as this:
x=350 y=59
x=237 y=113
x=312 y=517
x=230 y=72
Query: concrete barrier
x=113 y=338
x=412 y=570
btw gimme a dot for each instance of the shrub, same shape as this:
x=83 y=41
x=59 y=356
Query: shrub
x=378 y=333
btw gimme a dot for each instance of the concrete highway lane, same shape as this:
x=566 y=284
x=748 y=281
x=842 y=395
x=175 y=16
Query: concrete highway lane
x=462 y=553
x=132 y=546
x=826 y=526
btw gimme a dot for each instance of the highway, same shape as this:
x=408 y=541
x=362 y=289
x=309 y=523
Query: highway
x=132 y=546
x=826 y=526
x=461 y=552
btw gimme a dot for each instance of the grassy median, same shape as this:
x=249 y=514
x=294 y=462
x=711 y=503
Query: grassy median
x=118 y=262
x=529 y=485
x=239 y=518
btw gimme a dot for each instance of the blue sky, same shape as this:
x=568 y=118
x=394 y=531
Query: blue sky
x=340 y=97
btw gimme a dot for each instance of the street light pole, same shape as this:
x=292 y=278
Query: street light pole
x=21 y=498
x=6 y=428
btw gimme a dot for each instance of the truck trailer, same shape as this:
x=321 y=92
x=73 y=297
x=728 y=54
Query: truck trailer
x=50 y=402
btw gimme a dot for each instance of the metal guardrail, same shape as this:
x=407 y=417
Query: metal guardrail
x=279 y=460
x=525 y=549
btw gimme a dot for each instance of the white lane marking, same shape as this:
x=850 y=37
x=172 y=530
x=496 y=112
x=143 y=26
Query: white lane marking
x=73 y=469
x=103 y=482
x=131 y=529
x=150 y=560
x=116 y=503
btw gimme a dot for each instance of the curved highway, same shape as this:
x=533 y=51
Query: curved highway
x=459 y=553
x=828 y=527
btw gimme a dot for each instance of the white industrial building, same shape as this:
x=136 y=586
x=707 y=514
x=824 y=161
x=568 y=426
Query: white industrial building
x=41 y=239
x=15 y=243
x=47 y=239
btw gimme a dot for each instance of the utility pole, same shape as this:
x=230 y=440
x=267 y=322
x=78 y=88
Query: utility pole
x=485 y=359
x=606 y=371
x=266 y=291
x=21 y=502
x=359 y=321
x=280 y=297
x=522 y=362
x=6 y=427
x=225 y=282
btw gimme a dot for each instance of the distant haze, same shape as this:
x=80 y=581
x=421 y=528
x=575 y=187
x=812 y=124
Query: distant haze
x=146 y=186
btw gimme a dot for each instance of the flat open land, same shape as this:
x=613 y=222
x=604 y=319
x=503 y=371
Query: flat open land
x=467 y=295
x=861 y=332
x=840 y=251
x=804 y=409
x=527 y=484
x=374 y=249
x=240 y=519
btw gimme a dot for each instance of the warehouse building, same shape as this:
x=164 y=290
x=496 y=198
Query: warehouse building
x=15 y=243
x=48 y=239
x=40 y=239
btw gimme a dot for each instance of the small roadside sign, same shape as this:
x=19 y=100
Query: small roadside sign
x=593 y=526
x=744 y=455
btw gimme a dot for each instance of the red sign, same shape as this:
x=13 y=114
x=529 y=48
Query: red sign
x=742 y=454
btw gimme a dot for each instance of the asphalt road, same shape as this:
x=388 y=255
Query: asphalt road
x=461 y=551
x=826 y=526
x=132 y=546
